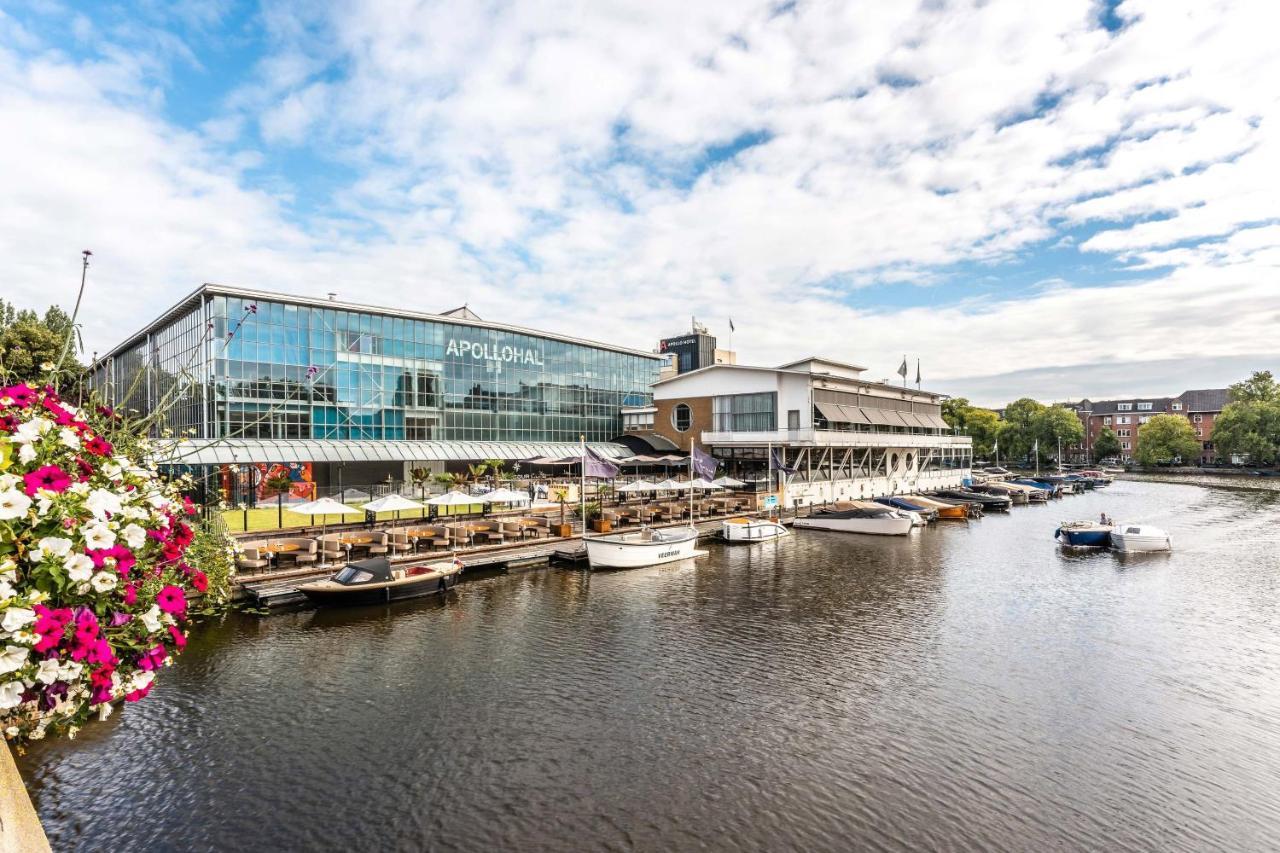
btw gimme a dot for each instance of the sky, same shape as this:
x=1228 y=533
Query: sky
x=1052 y=200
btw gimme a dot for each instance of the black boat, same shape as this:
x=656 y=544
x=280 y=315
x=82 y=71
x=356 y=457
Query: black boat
x=989 y=502
x=374 y=581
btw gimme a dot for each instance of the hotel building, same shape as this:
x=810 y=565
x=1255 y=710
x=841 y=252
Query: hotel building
x=845 y=437
x=1125 y=417
x=341 y=392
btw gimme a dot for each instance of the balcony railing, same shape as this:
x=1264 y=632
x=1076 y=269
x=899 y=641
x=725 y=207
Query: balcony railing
x=834 y=438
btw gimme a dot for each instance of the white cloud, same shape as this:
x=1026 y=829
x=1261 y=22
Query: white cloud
x=893 y=141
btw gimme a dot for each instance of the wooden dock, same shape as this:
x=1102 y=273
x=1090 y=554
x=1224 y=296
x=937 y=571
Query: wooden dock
x=280 y=589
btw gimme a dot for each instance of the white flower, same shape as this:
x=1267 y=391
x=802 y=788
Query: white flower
x=150 y=619
x=27 y=454
x=140 y=680
x=68 y=437
x=13 y=504
x=54 y=546
x=112 y=470
x=6 y=589
x=101 y=502
x=43 y=503
x=104 y=581
x=38 y=734
x=11 y=695
x=104 y=711
x=17 y=617
x=97 y=536
x=134 y=536
x=31 y=430
x=8 y=481
x=70 y=671
x=79 y=488
x=13 y=657
x=48 y=671
x=79 y=567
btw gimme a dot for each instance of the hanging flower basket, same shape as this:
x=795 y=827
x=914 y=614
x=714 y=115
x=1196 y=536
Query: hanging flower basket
x=93 y=575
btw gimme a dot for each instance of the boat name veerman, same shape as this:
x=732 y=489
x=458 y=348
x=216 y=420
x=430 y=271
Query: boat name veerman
x=482 y=351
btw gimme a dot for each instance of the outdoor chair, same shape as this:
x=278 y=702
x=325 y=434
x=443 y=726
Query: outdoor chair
x=251 y=558
x=379 y=545
x=331 y=550
x=399 y=542
x=306 y=553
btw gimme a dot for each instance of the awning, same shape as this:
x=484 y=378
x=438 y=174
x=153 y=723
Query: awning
x=833 y=413
x=244 y=451
x=880 y=417
x=913 y=420
x=856 y=415
x=937 y=422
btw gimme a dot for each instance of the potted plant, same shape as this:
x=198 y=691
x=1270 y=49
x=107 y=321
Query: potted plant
x=595 y=517
x=560 y=494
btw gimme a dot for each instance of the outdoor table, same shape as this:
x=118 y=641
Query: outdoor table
x=275 y=549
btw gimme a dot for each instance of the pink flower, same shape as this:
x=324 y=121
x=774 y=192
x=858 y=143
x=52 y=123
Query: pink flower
x=60 y=415
x=49 y=477
x=138 y=695
x=179 y=639
x=130 y=594
x=23 y=394
x=172 y=600
x=200 y=581
x=153 y=658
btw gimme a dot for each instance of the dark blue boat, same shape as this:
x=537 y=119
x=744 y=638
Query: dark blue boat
x=1084 y=534
x=1051 y=488
x=903 y=503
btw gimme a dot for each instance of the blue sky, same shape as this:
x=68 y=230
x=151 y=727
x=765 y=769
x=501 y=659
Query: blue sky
x=1079 y=202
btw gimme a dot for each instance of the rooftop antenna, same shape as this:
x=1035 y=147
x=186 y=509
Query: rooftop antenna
x=333 y=297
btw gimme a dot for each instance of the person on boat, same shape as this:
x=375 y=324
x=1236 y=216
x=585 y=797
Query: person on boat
x=1103 y=519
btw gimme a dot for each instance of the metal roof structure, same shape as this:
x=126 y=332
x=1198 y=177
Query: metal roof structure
x=244 y=451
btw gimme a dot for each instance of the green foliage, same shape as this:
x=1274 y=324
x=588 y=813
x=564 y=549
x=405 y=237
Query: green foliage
x=592 y=511
x=979 y=424
x=477 y=470
x=28 y=340
x=1249 y=427
x=1261 y=387
x=1055 y=424
x=1020 y=428
x=1166 y=437
x=445 y=479
x=496 y=468
x=420 y=476
x=214 y=553
x=1108 y=444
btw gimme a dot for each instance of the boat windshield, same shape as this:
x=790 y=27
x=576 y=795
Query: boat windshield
x=351 y=575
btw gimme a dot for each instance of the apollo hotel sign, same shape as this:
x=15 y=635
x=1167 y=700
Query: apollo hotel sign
x=484 y=351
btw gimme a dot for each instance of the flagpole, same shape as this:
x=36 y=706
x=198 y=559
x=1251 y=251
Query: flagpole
x=582 y=484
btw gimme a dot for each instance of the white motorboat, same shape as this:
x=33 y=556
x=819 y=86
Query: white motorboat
x=647 y=547
x=1140 y=537
x=858 y=517
x=752 y=530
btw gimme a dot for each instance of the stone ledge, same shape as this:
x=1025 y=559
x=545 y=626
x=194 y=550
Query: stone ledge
x=20 y=829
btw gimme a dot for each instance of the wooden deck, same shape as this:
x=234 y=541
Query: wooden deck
x=280 y=589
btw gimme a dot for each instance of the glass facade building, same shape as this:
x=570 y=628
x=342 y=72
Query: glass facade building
x=228 y=363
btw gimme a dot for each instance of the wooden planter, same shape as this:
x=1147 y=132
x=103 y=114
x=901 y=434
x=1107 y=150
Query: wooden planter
x=562 y=530
x=601 y=525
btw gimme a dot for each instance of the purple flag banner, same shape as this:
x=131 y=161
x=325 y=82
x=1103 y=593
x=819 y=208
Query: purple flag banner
x=779 y=465
x=704 y=464
x=597 y=466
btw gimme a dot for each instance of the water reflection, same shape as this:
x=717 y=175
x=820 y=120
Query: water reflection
x=970 y=686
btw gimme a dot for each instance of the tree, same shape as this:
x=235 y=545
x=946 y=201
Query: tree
x=1249 y=428
x=1020 y=429
x=1058 y=424
x=1261 y=387
x=28 y=340
x=955 y=411
x=1165 y=438
x=1108 y=444
x=496 y=469
x=982 y=425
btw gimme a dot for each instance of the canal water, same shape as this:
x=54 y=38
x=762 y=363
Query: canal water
x=972 y=686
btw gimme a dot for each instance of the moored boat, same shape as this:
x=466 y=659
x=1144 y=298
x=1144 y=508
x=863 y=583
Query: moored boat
x=752 y=530
x=919 y=514
x=944 y=509
x=1140 y=537
x=858 y=517
x=637 y=549
x=374 y=581
x=988 y=502
x=1083 y=534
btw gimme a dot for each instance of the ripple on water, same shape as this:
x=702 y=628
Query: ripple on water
x=972 y=686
